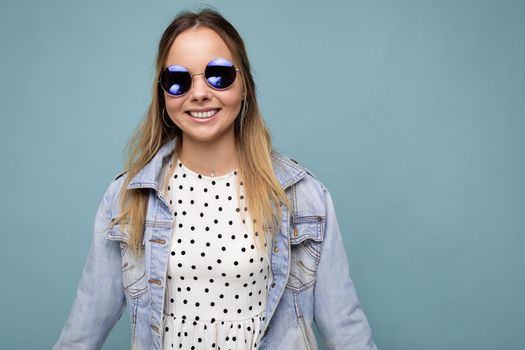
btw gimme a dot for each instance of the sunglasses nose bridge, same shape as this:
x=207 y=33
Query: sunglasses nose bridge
x=196 y=75
x=196 y=87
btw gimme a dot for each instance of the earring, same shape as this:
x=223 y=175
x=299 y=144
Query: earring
x=244 y=111
x=163 y=119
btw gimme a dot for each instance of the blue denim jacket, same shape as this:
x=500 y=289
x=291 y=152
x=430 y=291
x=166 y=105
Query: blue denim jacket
x=311 y=280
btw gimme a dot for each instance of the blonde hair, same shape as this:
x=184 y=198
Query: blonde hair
x=253 y=144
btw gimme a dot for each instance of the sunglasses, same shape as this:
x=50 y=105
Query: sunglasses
x=219 y=73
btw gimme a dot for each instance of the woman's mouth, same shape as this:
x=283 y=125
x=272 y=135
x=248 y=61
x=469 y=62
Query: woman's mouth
x=203 y=115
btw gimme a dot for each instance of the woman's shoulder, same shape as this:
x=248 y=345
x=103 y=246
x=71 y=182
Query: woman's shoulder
x=308 y=197
x=119 y=175
x=285 y=160
x=302 y=176
x=113 y=189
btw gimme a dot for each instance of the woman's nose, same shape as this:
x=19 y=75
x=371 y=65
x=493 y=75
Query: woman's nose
x=200 y=90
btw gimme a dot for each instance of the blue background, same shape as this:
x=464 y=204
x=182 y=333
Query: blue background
x=414 y=120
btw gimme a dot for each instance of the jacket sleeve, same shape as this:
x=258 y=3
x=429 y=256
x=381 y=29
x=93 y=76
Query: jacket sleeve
x=100 y=298
x=338 y=312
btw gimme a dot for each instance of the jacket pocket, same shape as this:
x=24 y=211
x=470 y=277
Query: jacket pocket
x=133 y=272
x=133 y=268
x=305 y=251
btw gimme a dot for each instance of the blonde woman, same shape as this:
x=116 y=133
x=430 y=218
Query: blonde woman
x=212 y=239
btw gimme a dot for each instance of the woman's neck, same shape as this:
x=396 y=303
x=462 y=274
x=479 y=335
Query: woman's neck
x=214 y=158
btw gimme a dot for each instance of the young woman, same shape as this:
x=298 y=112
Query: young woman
x=212 y=239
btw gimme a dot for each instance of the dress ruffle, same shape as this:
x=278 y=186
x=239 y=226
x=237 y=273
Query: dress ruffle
x=186 y=334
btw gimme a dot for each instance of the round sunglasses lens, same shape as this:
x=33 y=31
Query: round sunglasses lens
x=175 y=80
x=220 y=73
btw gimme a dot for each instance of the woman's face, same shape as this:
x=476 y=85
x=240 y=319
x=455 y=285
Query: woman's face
x=193 y=49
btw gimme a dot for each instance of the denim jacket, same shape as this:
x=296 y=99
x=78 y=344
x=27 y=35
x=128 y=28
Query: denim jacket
x=311 y=280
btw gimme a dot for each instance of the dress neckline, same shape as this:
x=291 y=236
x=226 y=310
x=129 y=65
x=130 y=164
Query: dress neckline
x=185 y=169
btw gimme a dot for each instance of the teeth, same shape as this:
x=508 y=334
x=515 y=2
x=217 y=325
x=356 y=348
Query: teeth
x=204 y=115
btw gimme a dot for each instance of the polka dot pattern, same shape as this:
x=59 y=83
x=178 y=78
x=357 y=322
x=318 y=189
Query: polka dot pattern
x=217 y=280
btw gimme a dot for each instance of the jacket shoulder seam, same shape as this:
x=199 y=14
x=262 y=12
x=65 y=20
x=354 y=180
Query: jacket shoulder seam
x=292 y=162
x=119 y=175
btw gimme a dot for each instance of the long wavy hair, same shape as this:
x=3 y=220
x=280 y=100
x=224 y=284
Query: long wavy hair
x=253 y=144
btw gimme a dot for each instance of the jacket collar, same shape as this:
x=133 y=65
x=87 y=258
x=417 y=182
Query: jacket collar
x=287 y=171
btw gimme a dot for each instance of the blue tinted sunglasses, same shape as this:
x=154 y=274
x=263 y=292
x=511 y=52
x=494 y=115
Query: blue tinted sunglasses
x=176 y=80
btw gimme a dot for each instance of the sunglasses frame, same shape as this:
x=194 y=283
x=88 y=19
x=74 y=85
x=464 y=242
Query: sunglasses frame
x=194 y=75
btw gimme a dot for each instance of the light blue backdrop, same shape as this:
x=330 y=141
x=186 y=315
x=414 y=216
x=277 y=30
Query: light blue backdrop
x=414 y=120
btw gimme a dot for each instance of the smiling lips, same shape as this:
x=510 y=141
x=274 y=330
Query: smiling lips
x=203 y=115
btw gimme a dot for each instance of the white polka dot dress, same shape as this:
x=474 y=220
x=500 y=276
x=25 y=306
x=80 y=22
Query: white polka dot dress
x=217 y=279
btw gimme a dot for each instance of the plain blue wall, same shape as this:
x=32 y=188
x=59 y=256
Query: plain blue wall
x=414 y=120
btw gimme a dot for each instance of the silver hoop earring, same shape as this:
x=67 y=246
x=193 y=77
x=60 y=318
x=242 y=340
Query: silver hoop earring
x=244 y=109
x=241 y=119
x=163 y=119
